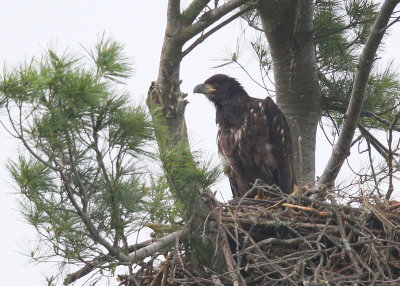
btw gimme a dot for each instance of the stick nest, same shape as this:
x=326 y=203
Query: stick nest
x=295 y=240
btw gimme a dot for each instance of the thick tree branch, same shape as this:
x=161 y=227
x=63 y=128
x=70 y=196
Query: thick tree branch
x=342 y=148
x=194 y=9
x=210 y=17
x=98 y=262
x=139 y=251
x=158 y=245
x=216 y=28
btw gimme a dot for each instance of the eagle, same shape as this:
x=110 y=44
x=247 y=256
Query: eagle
x=253 y=136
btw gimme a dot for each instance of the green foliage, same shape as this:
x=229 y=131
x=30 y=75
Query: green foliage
x=110 y=59
x=185 y=171
x=131 y=128
x=162 y=210
x=382 y=96
x=90 y=171
x=84 y=142
x=341 y=29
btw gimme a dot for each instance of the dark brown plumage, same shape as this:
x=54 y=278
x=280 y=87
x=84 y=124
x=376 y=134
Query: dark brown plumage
x=253 y=136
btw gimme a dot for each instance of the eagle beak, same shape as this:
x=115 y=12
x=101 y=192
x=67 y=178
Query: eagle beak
x=204 y=88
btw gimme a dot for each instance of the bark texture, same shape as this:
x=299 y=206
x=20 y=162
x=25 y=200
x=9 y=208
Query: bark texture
x=288 y=26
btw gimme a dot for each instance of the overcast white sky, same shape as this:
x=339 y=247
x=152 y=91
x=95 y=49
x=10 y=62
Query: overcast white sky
x=27 y=27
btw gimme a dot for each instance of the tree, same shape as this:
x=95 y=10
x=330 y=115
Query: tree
x=289 y=28
x=299 y=57
x=86 y=180
x=86 y=142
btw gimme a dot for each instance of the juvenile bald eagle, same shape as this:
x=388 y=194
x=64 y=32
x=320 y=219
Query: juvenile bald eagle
x=253 y=136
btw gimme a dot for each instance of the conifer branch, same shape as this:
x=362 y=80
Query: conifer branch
x=341 y=149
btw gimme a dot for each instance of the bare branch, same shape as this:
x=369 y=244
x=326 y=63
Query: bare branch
x=341 y=150
x=99 y=261
x=139 y=251
x=327 y=104
x=390 y=158
x=158 y=245
x=379 y=147
x=194 y=9
x=210 y=17
x=216 y=28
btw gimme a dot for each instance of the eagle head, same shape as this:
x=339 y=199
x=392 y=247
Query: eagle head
x=220 y=87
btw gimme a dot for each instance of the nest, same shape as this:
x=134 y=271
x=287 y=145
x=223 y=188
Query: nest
x=295 y=240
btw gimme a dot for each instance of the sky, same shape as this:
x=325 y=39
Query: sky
x=29 y=27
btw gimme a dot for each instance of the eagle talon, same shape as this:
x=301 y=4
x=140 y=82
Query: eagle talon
x=261 y=196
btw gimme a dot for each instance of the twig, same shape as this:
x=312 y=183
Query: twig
x=347 y=246
x=390 y=157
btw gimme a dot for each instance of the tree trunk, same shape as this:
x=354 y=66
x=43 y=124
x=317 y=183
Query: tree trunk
x=288 y=26
x=166 y=95
x=205 y=231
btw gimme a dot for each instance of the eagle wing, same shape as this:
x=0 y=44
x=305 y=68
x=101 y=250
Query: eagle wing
x=236 y=164
x=258 y=148
x=279 y=135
